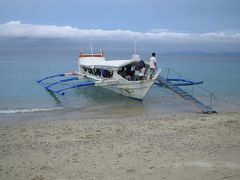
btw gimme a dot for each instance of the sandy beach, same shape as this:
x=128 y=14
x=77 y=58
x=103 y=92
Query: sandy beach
x=169 y=146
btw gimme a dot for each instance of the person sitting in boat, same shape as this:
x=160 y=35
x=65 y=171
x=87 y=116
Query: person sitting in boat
x=141 y=75
x=129 y=73
x=106 y=73
x=153 y=65
x=138 y=69
x=98 y=72
x=136 y=74
x=141 y=64
x=132 y=71
x=122 y=72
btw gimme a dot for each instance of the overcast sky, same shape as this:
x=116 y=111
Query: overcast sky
x=165 y=20
x=134 y=15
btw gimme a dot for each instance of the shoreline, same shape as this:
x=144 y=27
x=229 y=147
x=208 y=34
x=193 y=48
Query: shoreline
x=111 y=146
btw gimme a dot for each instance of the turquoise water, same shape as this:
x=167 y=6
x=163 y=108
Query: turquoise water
x=21 y=67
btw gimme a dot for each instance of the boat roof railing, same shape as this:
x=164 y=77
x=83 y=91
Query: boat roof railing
x=84 y=55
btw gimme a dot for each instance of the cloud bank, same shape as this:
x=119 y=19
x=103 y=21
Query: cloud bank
x=15 y=29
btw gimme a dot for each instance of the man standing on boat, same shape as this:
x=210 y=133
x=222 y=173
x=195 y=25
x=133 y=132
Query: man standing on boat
x=153 y=65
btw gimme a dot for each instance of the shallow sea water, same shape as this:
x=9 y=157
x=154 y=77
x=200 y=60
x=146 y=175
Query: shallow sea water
x=20 y=68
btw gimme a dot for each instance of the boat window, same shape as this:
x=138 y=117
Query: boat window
x=105 y=73
x=122 y=72
x=90 y=71
x=98 y=72
x=135 y=71
x=84 y=69
x=127 y=72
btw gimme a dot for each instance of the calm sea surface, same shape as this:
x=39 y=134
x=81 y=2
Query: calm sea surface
x=20 y=68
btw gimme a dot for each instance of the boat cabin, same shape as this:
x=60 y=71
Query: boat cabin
x=131 y=70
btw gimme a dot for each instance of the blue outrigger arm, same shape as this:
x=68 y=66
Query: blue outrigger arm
x=183 y=82
x=49 y=77
x=82 y=84
x=49 y=86
x=180 y=82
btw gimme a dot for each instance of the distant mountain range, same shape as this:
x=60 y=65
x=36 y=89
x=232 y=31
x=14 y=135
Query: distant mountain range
x=18 y=44
x=202 y=53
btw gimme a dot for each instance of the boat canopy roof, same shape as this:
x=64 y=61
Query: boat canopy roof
x=111 y=64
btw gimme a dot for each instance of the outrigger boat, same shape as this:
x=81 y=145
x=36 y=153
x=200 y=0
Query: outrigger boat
x=119 y=76
x=115 y=75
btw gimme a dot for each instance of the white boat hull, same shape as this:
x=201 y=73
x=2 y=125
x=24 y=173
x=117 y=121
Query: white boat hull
x=115 y=75
x=133 y=89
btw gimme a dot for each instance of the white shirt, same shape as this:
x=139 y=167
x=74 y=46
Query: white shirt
x=142 y=72
x=152 y=61
x=136 y=73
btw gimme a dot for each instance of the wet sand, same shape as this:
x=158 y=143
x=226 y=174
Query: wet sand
x=169 y=146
